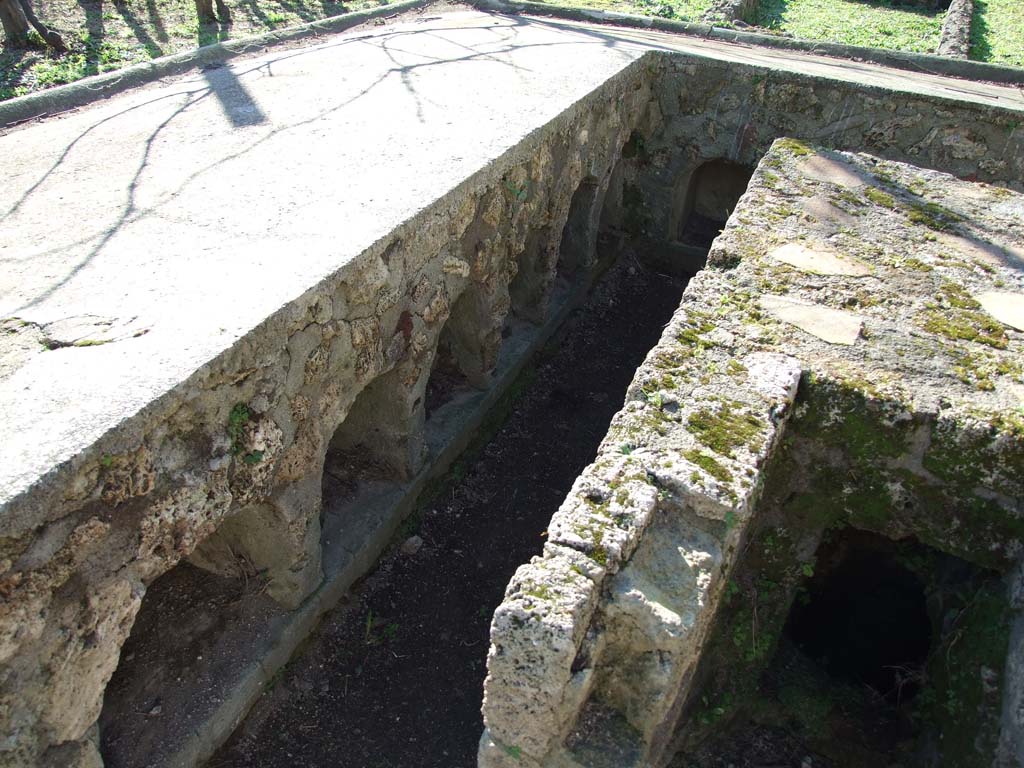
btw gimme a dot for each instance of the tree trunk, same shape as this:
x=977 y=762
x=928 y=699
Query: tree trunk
x=51 y=37
x=204 y=10
x=15 y=23
x=16 y=16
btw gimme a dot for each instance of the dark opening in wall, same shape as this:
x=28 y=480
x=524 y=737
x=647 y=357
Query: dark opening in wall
x=864 y=617
x=527 y=290
x=711 y=195
x=191 y=630
x=366 y=449
x=579 y=235
x=876 y=652
x=373 y=453
x=458 y=365
x=612 y=214
x=446 y=380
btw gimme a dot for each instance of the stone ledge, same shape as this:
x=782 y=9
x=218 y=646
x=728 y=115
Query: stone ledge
x=955 y=40
x=901 y=370
x=913 y=62
x=228 y=462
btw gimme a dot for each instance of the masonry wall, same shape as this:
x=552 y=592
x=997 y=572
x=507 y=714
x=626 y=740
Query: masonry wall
x=229 y=465
x=707 y=110
x=842 y=350
x=243 y=440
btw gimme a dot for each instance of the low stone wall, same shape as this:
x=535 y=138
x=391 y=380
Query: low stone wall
x=227 y=469
x=894 y=297
x=725 y=11
x=710 y=110
x=956 y=30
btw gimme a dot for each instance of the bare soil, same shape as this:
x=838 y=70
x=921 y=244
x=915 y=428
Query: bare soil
x=394 y=676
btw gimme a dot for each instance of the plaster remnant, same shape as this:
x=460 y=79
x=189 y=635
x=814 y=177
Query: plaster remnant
x=1007 y=308
x=818 y=260
x=832 y=325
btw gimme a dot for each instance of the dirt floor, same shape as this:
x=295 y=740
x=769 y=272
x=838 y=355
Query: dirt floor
x=394 y=676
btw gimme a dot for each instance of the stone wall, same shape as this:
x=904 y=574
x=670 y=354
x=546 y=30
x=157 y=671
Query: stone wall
x=852 y=351
x=709 y=110
x=227 y=468
x=228 y=465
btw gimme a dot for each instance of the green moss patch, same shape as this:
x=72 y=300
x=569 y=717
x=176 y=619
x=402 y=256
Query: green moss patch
x=726 y=428
x=933 y=216
x=709 y=464
x=878 y=197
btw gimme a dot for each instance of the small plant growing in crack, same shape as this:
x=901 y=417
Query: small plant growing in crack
x=655 y=398
x=519 y=194
x=237 y=420
x=239 y=417
x=388 y=632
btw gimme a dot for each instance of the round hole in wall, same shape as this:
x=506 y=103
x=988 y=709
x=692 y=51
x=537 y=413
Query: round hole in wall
x=864 y=617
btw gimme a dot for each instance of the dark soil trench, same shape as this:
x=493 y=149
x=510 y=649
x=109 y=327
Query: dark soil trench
x=393 y=676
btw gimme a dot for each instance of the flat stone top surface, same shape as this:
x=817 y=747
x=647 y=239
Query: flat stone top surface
x=904 y=284
x=144 y=235
x=170 y=221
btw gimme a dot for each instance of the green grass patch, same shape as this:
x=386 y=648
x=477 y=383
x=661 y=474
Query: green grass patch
x=680 y=10
x=878 y=24
x=997 y=32
x=105 y=36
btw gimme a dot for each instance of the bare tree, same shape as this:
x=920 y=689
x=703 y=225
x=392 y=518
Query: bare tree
x=17 y=15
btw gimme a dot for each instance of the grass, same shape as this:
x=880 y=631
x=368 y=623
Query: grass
x=104 y=36
x=879 y=24
x=680 y=10
x=997 y=32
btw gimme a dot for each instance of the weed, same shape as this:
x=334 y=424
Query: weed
x=253 y=457
x=388 y=632
x=519 y=193
x=237 y=420
x=655 y=398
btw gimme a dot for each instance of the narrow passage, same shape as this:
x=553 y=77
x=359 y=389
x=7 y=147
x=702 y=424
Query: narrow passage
x=393 y=677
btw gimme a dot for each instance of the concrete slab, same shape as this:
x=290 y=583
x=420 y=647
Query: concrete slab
x=873 y=75
x=239 y=189
x=189 y=213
